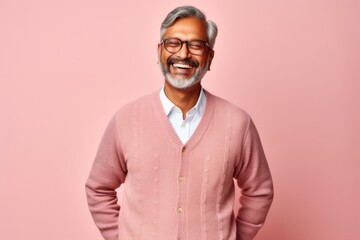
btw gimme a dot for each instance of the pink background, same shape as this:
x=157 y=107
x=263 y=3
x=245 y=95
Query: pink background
x=66 y=66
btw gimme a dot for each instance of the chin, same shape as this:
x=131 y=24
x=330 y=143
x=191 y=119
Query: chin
x=182 y=83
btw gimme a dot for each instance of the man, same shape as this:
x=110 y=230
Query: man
x=177 y=151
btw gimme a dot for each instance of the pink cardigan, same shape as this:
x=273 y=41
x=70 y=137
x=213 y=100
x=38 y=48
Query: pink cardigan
x=175 y=191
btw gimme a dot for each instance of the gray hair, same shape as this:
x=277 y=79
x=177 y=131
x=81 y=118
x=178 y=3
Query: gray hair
x=190 y=11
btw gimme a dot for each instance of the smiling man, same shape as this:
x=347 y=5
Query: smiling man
x=177 y=152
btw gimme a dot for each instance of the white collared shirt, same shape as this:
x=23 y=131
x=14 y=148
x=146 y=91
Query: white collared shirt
x=184 y=128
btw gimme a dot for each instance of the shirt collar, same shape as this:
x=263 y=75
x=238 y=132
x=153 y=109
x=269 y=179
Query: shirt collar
x=168 y=105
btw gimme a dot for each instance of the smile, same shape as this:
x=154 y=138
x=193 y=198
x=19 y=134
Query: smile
x=182 y=66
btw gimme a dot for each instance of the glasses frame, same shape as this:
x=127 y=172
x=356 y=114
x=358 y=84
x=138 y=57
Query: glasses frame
x=205 y=44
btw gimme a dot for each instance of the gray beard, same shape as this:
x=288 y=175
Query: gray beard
x=181 y=83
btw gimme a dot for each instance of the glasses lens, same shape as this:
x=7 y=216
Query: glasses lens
x=196 y=47
x=172 y=45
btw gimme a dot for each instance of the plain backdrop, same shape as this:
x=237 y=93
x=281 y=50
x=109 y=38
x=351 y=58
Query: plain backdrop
x=66 y=66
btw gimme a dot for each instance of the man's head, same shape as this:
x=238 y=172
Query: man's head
x=186 y=48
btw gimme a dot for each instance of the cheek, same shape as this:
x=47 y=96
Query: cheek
x=164 y=57
x=202 y=62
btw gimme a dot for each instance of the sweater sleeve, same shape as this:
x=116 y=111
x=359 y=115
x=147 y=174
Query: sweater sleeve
x=254 y=179
x=107 y=174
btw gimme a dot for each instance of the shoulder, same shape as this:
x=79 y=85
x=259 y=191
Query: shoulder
x=224 y=107
x=240 y=121
x=141 y=108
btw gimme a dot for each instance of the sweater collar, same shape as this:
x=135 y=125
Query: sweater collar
x=169 y=106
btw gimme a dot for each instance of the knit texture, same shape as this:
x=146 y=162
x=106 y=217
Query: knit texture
x=177 y=191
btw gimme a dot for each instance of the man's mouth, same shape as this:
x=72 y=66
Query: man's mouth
x=182 y=65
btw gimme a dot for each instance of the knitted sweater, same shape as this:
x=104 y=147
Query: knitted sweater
x=173 y=190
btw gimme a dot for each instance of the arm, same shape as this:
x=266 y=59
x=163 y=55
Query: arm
x=107 y=174
x=254 y=179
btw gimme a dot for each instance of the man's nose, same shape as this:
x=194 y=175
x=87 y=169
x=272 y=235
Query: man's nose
x=184 y=52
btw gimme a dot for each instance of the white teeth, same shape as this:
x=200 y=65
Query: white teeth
x=180 y=65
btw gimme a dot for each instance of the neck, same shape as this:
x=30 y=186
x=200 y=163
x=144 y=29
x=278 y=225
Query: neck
x=184 y=99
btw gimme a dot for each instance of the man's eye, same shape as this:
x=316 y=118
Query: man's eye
x=195 y=46
x=173 y=44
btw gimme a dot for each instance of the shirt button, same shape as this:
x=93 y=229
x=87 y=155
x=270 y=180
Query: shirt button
x=180 y=210
x=181 y=179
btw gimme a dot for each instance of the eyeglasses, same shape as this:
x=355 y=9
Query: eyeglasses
x=174 y=45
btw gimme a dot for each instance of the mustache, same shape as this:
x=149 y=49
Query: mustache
x=186 y=61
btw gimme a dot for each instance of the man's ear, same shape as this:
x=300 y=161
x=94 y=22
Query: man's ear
x=211 y=56
x=159 y=52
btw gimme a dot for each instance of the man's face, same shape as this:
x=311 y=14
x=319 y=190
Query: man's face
x=184 y=69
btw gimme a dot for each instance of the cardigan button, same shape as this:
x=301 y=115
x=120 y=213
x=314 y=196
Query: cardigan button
x=183 y=149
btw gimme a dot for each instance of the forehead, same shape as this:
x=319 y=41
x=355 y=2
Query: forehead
x=187 y=29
